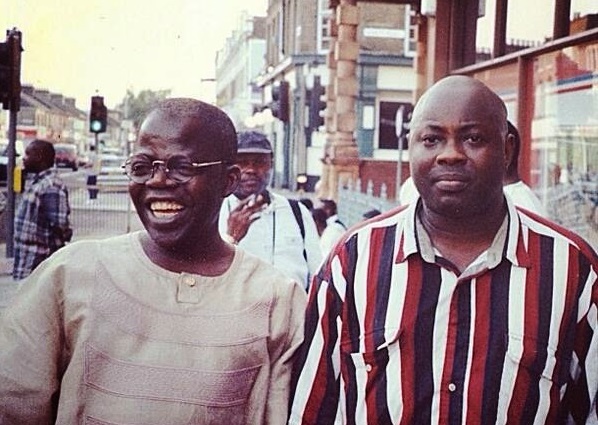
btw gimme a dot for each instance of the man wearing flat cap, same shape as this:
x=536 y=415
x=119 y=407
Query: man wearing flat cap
x=270 y=226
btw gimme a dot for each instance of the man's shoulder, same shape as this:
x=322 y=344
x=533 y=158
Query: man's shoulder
x=49 y=180
x=93 y=248
x=286 y=205
x=390 y=218
x=277 y=198
x=387 y=221
x=551 y=230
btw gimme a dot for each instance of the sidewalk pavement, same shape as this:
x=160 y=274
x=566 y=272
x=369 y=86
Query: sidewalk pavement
x=8 y=287
x=5 y=263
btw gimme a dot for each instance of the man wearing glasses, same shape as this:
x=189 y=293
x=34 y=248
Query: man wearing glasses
x=167 y=325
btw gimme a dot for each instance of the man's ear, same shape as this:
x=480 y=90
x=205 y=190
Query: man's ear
x=509 y=150
x=233 y=174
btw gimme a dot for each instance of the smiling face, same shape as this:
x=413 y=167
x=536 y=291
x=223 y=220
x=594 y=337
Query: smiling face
x=178 y=215
x=457 y=148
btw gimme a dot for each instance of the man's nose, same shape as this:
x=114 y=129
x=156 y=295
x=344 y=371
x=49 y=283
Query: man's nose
x=159 y=174
x=452 y=152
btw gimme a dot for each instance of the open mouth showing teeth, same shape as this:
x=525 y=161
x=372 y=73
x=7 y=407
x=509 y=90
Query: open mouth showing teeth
x=165 y=209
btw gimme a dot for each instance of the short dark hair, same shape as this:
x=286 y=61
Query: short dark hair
x=46 y=151
x=513 y=166
x=329 y=205
x=216 y=124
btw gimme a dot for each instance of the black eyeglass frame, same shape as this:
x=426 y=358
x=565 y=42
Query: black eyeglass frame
x=158 y=162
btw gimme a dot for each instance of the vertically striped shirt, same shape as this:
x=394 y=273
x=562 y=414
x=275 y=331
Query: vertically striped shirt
x=396 y=335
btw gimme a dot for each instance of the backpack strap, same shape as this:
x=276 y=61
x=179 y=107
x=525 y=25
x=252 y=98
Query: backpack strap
x=297 y=213
x=341 y=223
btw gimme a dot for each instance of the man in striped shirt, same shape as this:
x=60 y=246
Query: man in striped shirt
x=459 y=308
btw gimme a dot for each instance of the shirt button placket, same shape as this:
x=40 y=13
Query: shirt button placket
x=187 y=289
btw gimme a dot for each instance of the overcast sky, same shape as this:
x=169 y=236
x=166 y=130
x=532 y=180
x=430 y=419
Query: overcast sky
x=82 y=47
x=76 y=47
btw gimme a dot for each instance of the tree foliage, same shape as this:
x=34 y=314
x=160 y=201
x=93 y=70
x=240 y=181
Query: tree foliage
x=136 y=107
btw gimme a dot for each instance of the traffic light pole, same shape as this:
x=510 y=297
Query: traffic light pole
x=9 y=212
x=11 y=100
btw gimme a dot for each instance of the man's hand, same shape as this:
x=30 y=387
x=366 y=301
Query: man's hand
x=244 y=214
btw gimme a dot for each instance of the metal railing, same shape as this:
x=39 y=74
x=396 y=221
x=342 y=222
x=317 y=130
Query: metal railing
x=353 y=203
x=102 y=210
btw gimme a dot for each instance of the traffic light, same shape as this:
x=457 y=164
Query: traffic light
x=98 y=115
x=280 y=100
x=317 y=104
x=10 y=70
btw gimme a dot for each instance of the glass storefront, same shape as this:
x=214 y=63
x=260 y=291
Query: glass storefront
x=552 y=96
x=564 y=136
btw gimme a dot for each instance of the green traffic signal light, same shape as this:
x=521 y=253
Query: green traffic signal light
x=96 y=126
x=98 y=115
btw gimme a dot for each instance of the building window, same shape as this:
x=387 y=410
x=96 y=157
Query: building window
x=391 y=115
x=410 y=41
x=323 y=29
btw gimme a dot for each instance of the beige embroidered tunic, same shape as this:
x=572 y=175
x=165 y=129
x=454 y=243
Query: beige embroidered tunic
x=100 y=335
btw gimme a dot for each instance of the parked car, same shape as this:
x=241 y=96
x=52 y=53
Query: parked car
x=66 y=156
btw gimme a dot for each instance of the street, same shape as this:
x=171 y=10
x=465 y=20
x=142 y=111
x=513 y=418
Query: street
x=109 y=214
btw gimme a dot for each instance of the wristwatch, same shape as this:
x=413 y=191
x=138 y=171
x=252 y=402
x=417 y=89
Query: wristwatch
x=228 y=238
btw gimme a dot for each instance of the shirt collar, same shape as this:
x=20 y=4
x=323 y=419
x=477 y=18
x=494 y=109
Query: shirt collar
x=508 y=241
x=42 y=174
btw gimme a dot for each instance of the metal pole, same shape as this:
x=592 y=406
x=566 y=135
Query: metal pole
x=10 y=180
x=14 y=42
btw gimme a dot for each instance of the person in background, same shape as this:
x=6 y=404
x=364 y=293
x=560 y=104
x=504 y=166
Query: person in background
x=521 y=194
x=278 y=230
x=42 y=216
x=408 y=192
x=320 y=217
x=335 y=228
x=169 y=325
x=459 y=308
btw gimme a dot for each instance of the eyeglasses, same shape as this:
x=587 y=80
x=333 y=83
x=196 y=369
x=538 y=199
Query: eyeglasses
x=180 y=170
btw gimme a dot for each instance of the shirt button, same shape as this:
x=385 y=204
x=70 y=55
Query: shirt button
x=368 y=367
x=189 y=281
x=452 y=387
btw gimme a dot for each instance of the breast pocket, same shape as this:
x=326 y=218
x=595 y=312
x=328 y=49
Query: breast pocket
x=536 y=360
x=371 y=369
